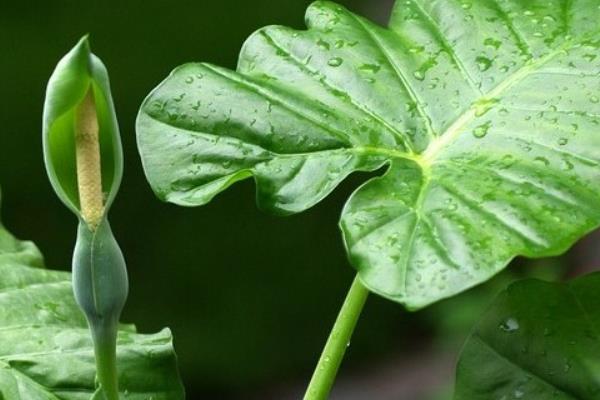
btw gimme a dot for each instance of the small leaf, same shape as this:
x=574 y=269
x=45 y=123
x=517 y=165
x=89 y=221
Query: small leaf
x=484 y=117
x=539 y=340
x=78 y=73
x=46 y=351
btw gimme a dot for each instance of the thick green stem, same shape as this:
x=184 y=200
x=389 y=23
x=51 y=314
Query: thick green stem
x=104 y=335
x=339 y=339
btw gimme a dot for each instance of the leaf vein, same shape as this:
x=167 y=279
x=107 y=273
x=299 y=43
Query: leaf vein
x=362 y=108
x=542 y=191
x=447 y=47
x=472 y=204
x=399 y=73
x=498 y=354
x=442 y=247
x=269 y=95
x=522 y=44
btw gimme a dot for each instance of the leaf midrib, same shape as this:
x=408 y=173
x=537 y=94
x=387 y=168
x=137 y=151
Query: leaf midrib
x=428 y=157
x=456 y=128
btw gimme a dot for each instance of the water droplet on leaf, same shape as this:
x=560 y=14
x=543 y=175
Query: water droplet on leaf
x=492 y=43
x=335 y=62
x=510 y=325
x=370 y=67
x=418 y=74
x=482 y=130
x=483 y=63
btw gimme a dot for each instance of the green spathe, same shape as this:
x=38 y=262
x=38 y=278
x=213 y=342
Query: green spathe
x=79 y=71
x=485 y=116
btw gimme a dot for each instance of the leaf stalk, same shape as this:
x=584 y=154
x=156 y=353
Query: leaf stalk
x=339 y=340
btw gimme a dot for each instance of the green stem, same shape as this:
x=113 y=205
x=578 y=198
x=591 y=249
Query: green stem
x=104 y=336
x=339 y=339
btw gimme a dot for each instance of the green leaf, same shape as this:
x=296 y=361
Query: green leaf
x=46 y=352
x=74 y=75
x=539 y=340
x=485 y=113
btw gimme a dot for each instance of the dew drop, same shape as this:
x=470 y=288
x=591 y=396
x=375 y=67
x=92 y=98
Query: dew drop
x=510 y=325
x=323 y=44
x=483 y=63
x=542 y=160
x=483 y=106
x=482 y=130
x=419 y=75
x=226 y=164
x=566 y=165
x=373 y=68
x=492 y=43
x=335 y=62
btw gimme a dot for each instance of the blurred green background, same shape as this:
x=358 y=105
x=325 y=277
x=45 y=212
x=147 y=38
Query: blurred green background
x=250 y=297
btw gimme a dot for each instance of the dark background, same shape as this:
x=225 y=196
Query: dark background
x=250 y=297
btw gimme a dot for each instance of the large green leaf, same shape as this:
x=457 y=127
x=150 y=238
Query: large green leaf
x=538 y=341
x=486 y=114
x=46 y=352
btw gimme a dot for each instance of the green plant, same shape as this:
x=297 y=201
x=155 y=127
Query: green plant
x=484 y=113
x=481 y=117
x=83 y=157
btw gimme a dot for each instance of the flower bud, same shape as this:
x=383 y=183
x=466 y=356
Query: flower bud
x=78 y=96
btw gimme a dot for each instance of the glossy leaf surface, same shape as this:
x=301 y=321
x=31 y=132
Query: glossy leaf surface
x=486 y=115
x=46 y=352
x=539 y=340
